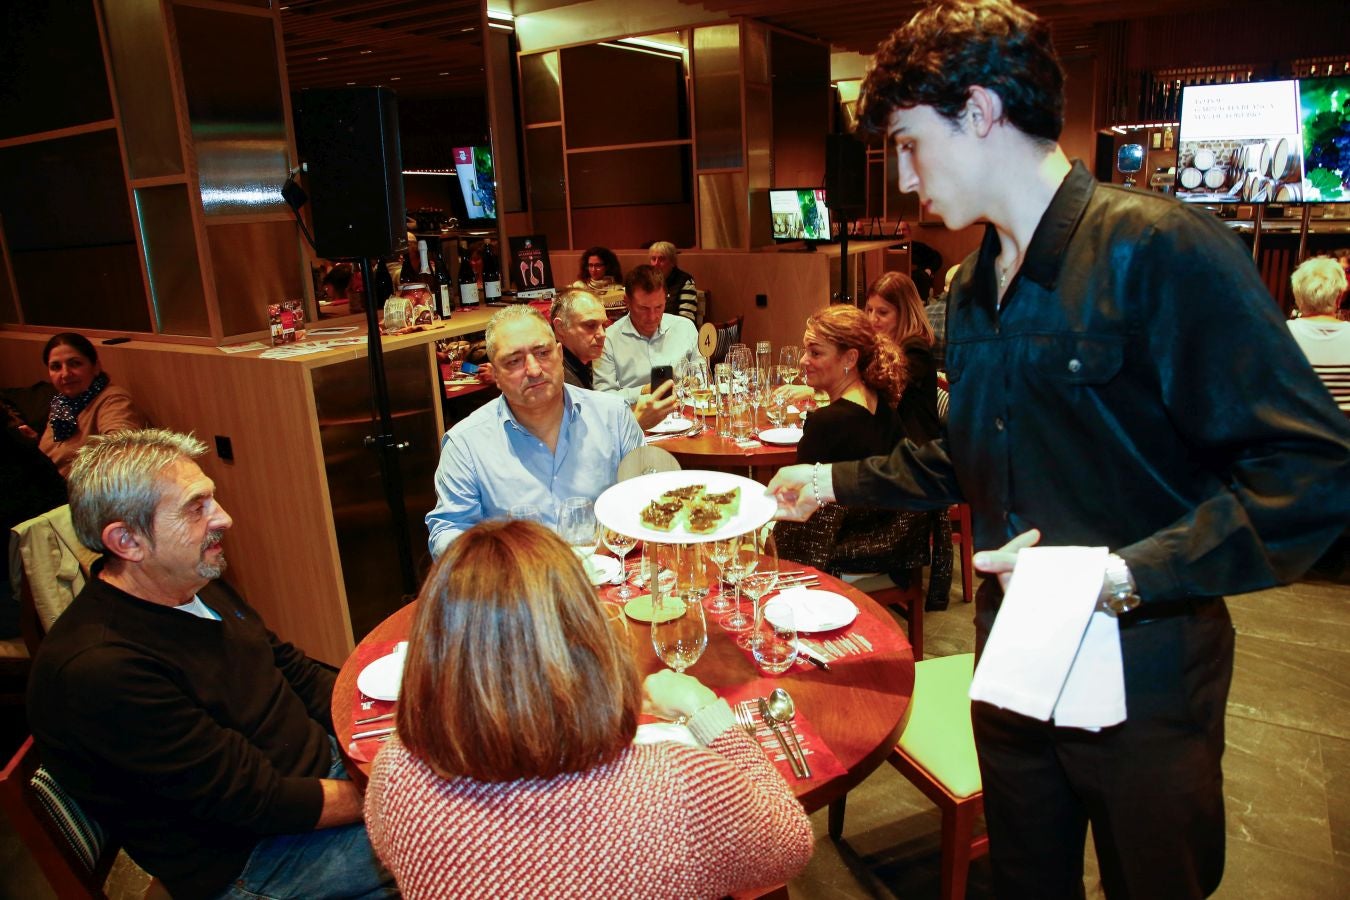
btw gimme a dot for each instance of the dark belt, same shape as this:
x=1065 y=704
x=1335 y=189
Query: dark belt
x=1168 y=609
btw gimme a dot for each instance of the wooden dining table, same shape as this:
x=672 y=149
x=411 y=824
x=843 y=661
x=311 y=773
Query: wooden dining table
x=856 y=708
x=706 y=450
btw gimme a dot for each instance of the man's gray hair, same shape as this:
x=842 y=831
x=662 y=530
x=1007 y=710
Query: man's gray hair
x=664 y=248
x=1318 y=283
x=565 y=305
x=117 y=478
x=506 y=316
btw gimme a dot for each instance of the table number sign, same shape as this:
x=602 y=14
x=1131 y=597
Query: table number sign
x=707 y=340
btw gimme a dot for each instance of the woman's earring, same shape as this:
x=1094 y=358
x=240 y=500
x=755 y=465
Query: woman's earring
x=845 y=370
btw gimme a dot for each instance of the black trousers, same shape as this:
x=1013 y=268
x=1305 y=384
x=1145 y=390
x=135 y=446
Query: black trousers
x=1152 y=787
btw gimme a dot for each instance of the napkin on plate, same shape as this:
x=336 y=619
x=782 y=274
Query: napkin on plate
x=1048 y=656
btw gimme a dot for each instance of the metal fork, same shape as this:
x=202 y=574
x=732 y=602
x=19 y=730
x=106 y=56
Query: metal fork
x=745 y=718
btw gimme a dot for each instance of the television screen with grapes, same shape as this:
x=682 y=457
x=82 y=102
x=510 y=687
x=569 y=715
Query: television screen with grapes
x=477 y=182
x=1324 y=112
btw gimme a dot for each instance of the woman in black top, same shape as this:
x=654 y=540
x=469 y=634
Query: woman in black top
x=863 y=375
x=895 y=310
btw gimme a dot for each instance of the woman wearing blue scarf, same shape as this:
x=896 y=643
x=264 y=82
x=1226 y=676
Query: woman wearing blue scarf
x=85 y=403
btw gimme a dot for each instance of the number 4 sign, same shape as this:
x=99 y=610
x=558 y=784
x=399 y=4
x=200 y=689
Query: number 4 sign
x=707 y=340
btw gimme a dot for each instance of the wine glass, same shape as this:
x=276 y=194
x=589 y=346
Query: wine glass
x=743 y=560
x=720 y=552
x=621 y=545
x=577 y=526
x=764 y=576
x=790 y=358
x=679 y=630
x=529 y=512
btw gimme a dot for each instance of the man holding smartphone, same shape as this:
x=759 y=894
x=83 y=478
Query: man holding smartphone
x=645 y=338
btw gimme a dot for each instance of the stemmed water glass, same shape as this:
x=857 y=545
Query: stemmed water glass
x=577 y=526
x=679 y=629
x=621 y=545
x=742 y=562
x=720 y=553
x=693 y=374
x=757 y=391
x=789 y=360
x=764 y=576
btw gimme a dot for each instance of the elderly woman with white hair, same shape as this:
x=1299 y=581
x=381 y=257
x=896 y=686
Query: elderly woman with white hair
x=681 y=295
x=1318 y=285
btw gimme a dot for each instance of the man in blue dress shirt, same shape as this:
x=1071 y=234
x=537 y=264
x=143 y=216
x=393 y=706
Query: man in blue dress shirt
x=646 y=337
x=538 y=444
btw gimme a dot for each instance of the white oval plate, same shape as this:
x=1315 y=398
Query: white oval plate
x=382 y=679
x=620 y=507
x=602 y=569
x=812 y=610
x=670 y=425
x=785 y=437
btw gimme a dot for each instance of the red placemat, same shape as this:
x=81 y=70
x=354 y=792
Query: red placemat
x=822 y=761
x=364 y=707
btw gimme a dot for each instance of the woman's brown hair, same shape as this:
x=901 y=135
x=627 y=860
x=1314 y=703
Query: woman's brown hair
x=512 y=671
x=899 y=291
x=880 y=363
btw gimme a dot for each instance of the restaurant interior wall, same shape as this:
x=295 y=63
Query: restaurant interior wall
x=175 y=118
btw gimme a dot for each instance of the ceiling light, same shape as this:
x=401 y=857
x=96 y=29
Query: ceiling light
x=500 y=27
x=651 y=44
x=442 y=73
x=500 y=16
x=321 y=59
x=364 y=52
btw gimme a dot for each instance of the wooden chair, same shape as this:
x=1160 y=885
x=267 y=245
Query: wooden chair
x=937 y=754
x=959 y=514
x=909 y=600
x=728 y=333
x=69 y=847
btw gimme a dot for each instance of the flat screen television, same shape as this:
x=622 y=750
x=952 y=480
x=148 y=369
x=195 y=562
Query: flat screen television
x=799 y=214
x=477 y=182
x=1324 y=115
x=1240 y=143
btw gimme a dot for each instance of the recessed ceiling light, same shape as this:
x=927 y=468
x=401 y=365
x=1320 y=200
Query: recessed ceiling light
x=395 y=77
x=364 y=52
x=321 y=59
x=442 y=73
x=351 y=83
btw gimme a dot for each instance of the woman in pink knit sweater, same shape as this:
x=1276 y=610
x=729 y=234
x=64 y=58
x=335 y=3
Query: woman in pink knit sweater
x=514 y=773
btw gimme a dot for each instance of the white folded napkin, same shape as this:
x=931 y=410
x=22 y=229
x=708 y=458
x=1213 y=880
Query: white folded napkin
x=1047 y=655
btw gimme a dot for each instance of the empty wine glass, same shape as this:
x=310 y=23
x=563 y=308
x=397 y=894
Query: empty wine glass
x=529 y=512
x=577 y=526
x=621 y=545
x=679 y=630
x=720 y=552
x=743 y=560
x=789 y=358
x=764 y=576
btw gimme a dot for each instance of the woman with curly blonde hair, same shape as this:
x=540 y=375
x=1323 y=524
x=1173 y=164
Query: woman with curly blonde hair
x=895 y=310
x=864 y=375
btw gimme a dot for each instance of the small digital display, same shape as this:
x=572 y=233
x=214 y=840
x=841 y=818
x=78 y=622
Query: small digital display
x=799 y=214
x=1240 y=143
x=477 y=181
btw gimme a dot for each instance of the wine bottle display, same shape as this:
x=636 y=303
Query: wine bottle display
x=441 y=284
x=492 y=274
x=468 y=284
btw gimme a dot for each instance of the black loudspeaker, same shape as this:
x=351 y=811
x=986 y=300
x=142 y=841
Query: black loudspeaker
x=354 y=171
x=845 y=174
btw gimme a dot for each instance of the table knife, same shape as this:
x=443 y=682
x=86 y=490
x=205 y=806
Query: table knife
x=815 y=660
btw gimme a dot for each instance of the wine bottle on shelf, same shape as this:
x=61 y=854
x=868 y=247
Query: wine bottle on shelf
x=384 y=285
x=440 y=286
x=408 y=271
x=492 y=274
x=469 y=296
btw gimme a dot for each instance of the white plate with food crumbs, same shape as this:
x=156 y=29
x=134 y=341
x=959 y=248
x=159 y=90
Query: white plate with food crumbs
x=685 y=507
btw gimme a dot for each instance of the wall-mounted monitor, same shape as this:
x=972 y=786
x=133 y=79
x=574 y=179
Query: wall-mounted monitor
x=1265 y=142
x=1240 y=143
x=1324 y=110
x=477 y=182
x=799 y=214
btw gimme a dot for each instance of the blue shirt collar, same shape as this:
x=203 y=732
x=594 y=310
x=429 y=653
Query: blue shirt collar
x=571 y=409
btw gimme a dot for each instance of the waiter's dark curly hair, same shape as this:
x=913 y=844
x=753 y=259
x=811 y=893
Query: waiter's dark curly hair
x=952 y=45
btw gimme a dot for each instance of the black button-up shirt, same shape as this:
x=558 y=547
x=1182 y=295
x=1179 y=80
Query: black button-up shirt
x=1136 y=390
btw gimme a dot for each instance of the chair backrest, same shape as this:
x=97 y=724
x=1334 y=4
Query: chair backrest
x=701 y=315
x=943 y=402
x=69 y=847
x=48 y=566
x=728 y=333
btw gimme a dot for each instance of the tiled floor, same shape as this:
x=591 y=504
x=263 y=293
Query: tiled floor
x=1287 y=772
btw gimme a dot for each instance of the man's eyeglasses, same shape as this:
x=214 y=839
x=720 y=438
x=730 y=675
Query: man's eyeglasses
x=542 y=353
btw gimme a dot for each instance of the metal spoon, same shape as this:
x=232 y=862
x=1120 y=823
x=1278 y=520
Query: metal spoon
x=783 y=709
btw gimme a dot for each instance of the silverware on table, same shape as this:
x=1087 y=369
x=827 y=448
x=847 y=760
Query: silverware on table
x=782 y=709
x=812 y=656
x=777 y=730
x=370 y=719
x=377 y=732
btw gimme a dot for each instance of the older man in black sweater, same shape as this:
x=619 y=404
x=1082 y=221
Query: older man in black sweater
x=165 y=706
